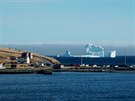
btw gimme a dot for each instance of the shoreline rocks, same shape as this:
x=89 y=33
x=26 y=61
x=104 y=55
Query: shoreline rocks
x=26 y=71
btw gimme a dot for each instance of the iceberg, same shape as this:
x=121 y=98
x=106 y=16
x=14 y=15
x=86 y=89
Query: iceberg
x=92 y=51
x=111 y=54
x=66 y=54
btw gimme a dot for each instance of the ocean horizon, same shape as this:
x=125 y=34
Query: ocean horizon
x=58 y=49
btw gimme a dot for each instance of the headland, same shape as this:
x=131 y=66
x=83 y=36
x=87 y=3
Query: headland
x=14 y=61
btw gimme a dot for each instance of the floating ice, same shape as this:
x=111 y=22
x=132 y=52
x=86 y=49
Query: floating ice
x=92 y=51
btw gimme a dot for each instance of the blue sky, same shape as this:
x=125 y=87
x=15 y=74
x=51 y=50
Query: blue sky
x=105 y=22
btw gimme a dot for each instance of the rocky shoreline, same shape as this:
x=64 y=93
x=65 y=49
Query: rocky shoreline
x=97 y=69
x=68 y=69
x=26 y=71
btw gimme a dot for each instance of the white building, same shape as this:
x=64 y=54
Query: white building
x=1 y=66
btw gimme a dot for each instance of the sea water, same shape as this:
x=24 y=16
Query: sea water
x=68 y=86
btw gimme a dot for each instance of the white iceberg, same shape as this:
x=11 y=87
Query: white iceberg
x=92 y=51
x=66 y=54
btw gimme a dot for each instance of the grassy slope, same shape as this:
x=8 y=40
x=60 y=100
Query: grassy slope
x=6 y=53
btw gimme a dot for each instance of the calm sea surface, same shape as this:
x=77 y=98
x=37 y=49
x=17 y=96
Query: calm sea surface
x=119 y=60
x=68 y=86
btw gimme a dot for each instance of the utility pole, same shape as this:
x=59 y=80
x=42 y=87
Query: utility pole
x=81 y=60
x=125 y=60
